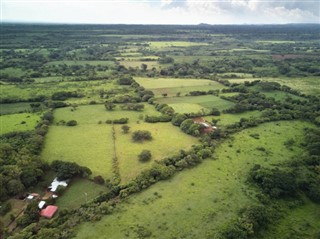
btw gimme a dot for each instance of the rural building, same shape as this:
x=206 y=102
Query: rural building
x=56 y=183
x=207 y=127
x=49 y=211
x=41 y=204
x=33 y=196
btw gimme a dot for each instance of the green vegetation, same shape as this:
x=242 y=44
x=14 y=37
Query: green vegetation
x=183 y=131
x=18 y=122
x=79 y=192
x=218 y=187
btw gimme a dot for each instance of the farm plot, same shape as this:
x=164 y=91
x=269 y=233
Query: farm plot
x=18 y=122
x=168 y=209
x=175 y=86
x=167 y=44
x=226 y=119
x=189 y=104
x=163 y=144
x=24 y=92
x=79 y=192
x=90 y=143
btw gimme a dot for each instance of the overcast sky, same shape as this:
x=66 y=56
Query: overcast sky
x=161 y=11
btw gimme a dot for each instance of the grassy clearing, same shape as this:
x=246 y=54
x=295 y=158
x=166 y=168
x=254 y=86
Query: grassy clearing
x=306 y=85
x=79 y=192
x=275 y=42
x=15 y=108
x=137 y=63
x=163 y=144
x=197 y=203
x=174 y=86
x=163 y=44
x=188 y=103
x=18 y=122
x=301 y=222
x=226 y=119
x=89 y=88
x=72 y=63
x=88 y=145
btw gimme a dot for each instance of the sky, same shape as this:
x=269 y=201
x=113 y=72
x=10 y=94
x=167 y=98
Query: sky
x=161 y=11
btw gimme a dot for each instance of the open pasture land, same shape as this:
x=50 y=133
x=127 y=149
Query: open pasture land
x=91 y=144
x=13 y=108
x=78 y=192
x=138 y=63
x=197 y=203
x=172 y=86
x=90 y=89
x=188 y=104
x=169 y=44
x=167 y=140
x=227 y=119
x=306 y=85
x=74 y=63
x=88 y=145
x=18 y=122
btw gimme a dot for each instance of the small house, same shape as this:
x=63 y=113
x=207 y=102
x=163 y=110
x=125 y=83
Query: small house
x=49 y=211
x=41 y=204
x=56 y=183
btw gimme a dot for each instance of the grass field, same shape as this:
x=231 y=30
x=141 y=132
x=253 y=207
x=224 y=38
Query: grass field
x=13 y=108
x=90 y=144
x=71 y=63
x=226 y=119
x=174 y=85
x=198 y=202
x=301 y=222
x=18 y=122
x=188 y=104
x=89 y=88
x=137 y=63
x=164 y=44
x=78 y=192
x=163 y=144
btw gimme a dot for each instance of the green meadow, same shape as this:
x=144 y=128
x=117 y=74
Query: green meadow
x=78 y=192
x=90 y=143
x=199 y=202
x=172 y=86
x=18 y=122
x=226 y=119
x=188 y=104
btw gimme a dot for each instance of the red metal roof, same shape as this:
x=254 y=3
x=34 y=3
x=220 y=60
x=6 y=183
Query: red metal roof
x=49 y=211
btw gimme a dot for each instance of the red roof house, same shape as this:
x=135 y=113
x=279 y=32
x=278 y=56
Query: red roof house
x=49 y=211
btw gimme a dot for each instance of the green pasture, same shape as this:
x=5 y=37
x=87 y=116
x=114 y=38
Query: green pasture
x=72 y=63
x=306 y=85
x=168 y=44
x=18 y=122
x=13 y=71
x=172 y=86
x=226 y=119
x=88 y=145
x=276 y=42
x=13 y=108
x=188 y=103
x=138 y=63
x=167 y=140
x=199 y=202
x=90 y=89
x=300 y=222
x=78 y=192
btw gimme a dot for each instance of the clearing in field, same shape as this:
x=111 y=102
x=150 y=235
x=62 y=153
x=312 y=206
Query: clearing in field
x=78 y=192
x=188 y=104
x=168 y=209
x=18 y=122
x=162 y=44
x=90 y=143
x=226 y=119
x=174 y=85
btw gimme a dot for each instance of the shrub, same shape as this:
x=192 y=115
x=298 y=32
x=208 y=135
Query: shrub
x=5 y=208
x=144 y=156
x=125 y=129
x=72 y=123
x=141 y=135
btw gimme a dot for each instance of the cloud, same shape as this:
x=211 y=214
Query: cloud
x=161 y=11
